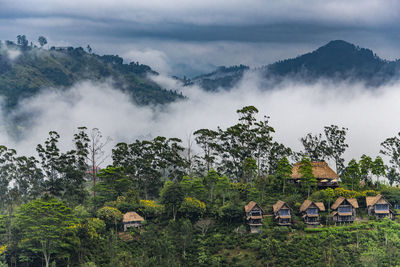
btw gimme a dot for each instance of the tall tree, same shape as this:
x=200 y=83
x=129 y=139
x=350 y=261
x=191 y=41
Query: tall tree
x=283 y=172
x=391 y=148
x=315 y=147
x=208 y=141
x=42 y=41
x=172 y=197
x=44 y=225
x=352 y=174
x=308 y=179
x=336 y=138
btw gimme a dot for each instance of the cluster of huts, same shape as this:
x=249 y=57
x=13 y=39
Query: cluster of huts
x=343 y=210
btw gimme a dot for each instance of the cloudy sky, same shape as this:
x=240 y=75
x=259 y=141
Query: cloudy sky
x=183 y=37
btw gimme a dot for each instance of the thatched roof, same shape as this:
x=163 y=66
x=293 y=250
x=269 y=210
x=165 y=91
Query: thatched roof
x=251 y=206
x=320 y=169
x=340 y=200
x=307 y=203
x=279 y=205
x=132 y=217
x=375 y=200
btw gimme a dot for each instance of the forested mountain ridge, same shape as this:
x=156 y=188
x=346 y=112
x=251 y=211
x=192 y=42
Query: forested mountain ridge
x=336 y=60
x=31 y=69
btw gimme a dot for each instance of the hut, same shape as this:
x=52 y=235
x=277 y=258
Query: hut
x=344 y=210
x=326 y=177
x=378 y=206
x=132 y=219
x=309 y=210
x=282 y=213
x=254 y=215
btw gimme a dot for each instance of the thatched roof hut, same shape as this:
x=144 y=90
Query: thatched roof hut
x=321 y=170
x=371 y=201
x=132 y=217
x=251 y=206
x=352 y=201
x=307 y=203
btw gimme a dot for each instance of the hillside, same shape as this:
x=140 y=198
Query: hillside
x=335 y=60
x=34 y=69
x=223 y=77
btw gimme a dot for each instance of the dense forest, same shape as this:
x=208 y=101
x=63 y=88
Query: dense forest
x=61 y=208
x=26 y=68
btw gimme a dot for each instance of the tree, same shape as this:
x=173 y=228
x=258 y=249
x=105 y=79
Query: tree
x=22 y=41
x=366 y=166
x=336 y=144
x=207 y=140
x=352 y=174
x=89 y=49
x=172 y=196
x=44 y=225
x=210 y=181
x=391 y=148
x=90 y=148
x=393 y=176
x=308 y=179
x=42 y=41
x=315 y=147
x=283 y=171
x=378 y=168
x=222 y=187
x=145 y=162
x=249 y=170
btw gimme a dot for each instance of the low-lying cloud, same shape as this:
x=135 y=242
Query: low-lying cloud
x=295 y=110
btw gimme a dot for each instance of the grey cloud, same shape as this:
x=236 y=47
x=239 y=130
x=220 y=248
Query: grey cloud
x=295 y=110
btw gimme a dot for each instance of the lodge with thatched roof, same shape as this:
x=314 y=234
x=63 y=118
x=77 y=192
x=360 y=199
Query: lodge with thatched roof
x=344 y=210
x=379 y=207
x=254 y=215
x=132 y=219
x=282 y=213
x=309 y=211
x=326 y=177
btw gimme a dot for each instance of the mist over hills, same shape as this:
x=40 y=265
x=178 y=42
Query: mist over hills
x=337 y=60
x=25 y=70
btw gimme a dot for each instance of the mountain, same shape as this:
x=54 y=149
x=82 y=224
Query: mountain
x=31 y=69
x=222 y=77
x=336 y=60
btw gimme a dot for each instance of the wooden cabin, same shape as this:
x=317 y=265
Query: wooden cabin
x=132 y=219
x=310 y=211
x=326 y=177
x=254 y=215
x=344 y=210
x=378 y=206
x=282 y=213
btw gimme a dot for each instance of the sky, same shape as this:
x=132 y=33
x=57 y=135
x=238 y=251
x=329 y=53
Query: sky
x=181 y=37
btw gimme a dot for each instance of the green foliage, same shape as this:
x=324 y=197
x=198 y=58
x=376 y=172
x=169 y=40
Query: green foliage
x=111 y=216
x=44 y=226
x=38 y=68
x=308 y=179
x=192 y=208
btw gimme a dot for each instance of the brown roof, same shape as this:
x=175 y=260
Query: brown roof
x=374 y=200
x=308 y=203
x=320 y=170
x=132 y=217
x=251 y=206
x=278 y=205
x=320 y=206
x=339 y=201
